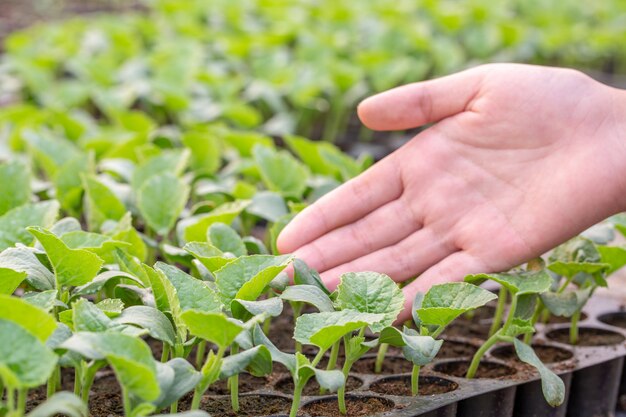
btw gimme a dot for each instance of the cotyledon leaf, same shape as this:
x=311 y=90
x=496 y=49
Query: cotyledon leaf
x=156 y=323
x=226 y=239
x=258 y=361
x=194 y=228
x=210 y=256
x=244 y=309
x=214 y=327
x=552 y=386
x=63 y=402
x=309 y=294
x=33 y=319
x=421 y=350
x=161 y=199
x=518 y=283
x=176 y=378
x=192 y=293
x=567 y=303
x=13 y=223
x=23 y=259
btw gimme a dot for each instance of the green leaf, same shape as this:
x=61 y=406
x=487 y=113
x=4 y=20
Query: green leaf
x=244 y=142
x=125 y=232
x=14 y=185
x=445 y=302
x=72 y=267
x=205 y=151
x=161 y=199
x=214 y=327
x=151 y=319
x=194 y=229
x=100 y=204
x=33 y=319
x=13 y=223
x=330 y=380
x=10 y=280
x=243 y=309
x=524 y=282
x=23 y=259
x=569 y=269
x=268 y=205
x=210 y=256
x=552 y=386
x=86 y=317
x=176 y=378
x=171 y=161
x=324 y=329
x=309 y=294
x=576 y=250
x=286 y=359
x=112 y=307
x=68 y=181
x=302 y=274
x=45 y=300
x=567 y=303
x=129 y=356
x=101 y=245
x=309 y=152
x=24 y=361
x=518 y=327
x=420 y=350
x=226 y=239
x=257 y=361
x=371 y=292
x=615 y=256
x=247 y=277
x=103 y=279
x=280 y=171
x=192 y=293
x=63 y=402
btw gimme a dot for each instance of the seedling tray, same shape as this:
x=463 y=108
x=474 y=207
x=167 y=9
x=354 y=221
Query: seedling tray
x=592 y=377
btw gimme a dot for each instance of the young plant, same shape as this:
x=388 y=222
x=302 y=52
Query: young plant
x=524 y=288
x=432 y=313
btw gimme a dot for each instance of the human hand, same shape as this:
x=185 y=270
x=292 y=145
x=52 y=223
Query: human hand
x=521 y=158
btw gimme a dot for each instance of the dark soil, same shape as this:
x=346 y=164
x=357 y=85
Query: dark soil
x=391 y=365
x=247 y=383
x=250 y=405
x=281 y=333
x=485 y=369
x=614 y=319
x=546 y=353
x=471 y=330
x=38 y=395
x=564 y=320
x=356 y=406
x=483 y=313
x=428 y=385
x=452 y=349
x=588 y=336
x=285 y=385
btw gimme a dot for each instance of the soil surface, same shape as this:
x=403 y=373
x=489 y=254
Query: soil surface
x=614 y=319
x=250 y=405
x=471 y=330
x=247 y=383
x=428 y=385
x=485 y=369
x=452 y=349
x=391 y=365
x=356 y=406
x=312 y=388
x=588 y=336
x=546 y=353
x=565 y=320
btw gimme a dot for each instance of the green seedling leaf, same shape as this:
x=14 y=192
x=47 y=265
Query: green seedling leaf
x=176 y=378
x=421 y=350
x=13 y=223
x=112 y=307
x=280 y=283
x=445 y=302
x=24 y=361
x=309 y=152
x=273 y=165
x=552 y=386
x=518 y=283
x=245 y=142
x=257 y=361
x=309 y=294
x=132 y=266
x=14 y=185
x=614 y=256
x=151 y=319
x=286 y=359
x=161 y=199
x=45 y=300
x=33 y=319
x=247 y=277
x=576 y=250
x=171 y=161
x=176 y=255
x=276 y=228
x=243 y=309
x=103 y=279
x=72 y=267
x=166 y=299
x=65 y=403
x=191 y=292
x=123 y=231
x=214 y=327
x=371 y=292
x=101 y=245
x=302 y=274
x=10 y=280
x=86 y=317
x=570 y=269
x=254 y=246
x=518 y=327
x=194 y=229
x=210 y=256
x=324 y=329
x=226 y=239
x=100 y=203
x=268 y=205
x=68 y=182
x=567 y=303
x=132 y=295
x=129 y=356
x=23 y=259
x=205 y=151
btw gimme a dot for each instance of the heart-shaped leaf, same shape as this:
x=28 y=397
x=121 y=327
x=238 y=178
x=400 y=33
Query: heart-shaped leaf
x=226 y=239
x=13 y=223
x=161 y=199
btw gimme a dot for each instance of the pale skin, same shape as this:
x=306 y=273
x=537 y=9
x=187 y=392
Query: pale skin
x=518 y=160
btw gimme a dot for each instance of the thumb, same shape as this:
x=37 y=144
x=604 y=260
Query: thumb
x=420 y=103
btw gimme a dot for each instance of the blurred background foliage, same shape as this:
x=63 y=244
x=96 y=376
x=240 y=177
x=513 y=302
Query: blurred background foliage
x=286 y=66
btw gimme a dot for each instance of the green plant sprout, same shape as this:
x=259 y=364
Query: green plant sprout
x=524 y=288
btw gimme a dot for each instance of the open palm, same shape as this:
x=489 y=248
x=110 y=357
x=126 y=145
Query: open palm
x=520 y=159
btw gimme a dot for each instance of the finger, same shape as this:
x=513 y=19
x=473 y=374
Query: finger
x=421 y=103
x=452 y=268
x=383 y=227
x=349 y=202
x=402 y=261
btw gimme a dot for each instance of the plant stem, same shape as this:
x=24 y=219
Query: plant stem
x=267 y=325
x=334 y=354
x=297 y=394
x=204 y=383
x=415 y=379
x=21 y=401
x=10 y=398
x=78 y=379
x=573 y=330
x=126 y=400
x=380 y=357
x=233 y=383
x=510 y=316
x=471 y=371
x=52 y=383
x=528 y=337
x=88 y=376
x=497 y=317
x=297 y=308
x=200 y=353
x=174 y=407
x=565 y=284
x=341 y=393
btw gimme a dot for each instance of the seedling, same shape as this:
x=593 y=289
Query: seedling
x=432 y=313
x=524 y=288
